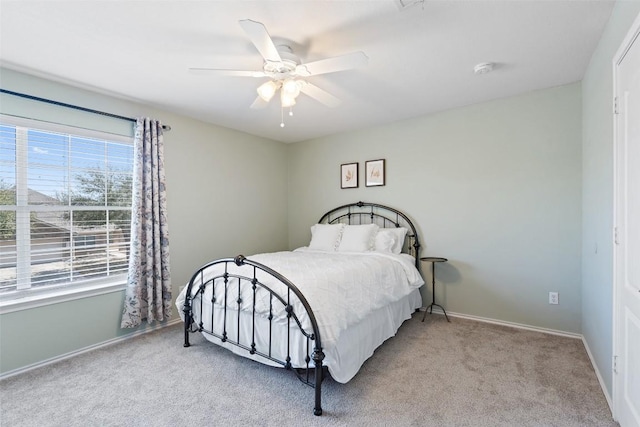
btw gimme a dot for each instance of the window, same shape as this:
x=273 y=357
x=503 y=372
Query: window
x=65 y=206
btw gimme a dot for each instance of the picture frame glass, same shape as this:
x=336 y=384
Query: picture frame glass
x=349 y=175
x=375 y=173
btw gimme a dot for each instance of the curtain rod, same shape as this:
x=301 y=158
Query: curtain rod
x=74 y=107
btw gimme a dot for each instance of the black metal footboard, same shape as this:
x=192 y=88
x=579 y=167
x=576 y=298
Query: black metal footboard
x=226 y=308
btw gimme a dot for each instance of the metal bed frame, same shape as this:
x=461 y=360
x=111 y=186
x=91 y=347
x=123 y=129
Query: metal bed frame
x=312 y=375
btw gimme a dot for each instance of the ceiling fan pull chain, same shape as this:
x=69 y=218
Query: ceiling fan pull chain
x=290 y=111
x=281 y=117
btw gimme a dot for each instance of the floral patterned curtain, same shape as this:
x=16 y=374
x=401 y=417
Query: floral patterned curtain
x=148 y=292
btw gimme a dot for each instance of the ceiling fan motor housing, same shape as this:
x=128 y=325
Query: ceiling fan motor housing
x=287 y=65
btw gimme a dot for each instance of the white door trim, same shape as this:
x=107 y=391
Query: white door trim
x=632 y=35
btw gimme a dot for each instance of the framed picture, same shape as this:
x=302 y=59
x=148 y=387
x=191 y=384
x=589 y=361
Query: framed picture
x=349 y=175
x=374 y=170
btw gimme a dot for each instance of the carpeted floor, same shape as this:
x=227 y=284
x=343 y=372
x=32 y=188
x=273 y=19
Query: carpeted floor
x=435 y=373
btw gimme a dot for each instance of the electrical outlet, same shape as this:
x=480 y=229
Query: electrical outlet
x=553 y=298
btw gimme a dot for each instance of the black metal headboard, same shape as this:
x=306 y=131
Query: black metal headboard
x=383 y=216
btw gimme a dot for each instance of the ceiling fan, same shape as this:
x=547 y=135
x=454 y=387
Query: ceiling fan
x=285 y=71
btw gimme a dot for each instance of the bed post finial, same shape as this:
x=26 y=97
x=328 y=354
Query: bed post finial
x=239 y=260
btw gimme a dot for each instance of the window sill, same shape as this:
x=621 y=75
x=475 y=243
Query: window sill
x=28 y=299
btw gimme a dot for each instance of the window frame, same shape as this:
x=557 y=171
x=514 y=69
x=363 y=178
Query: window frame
x=31 y=297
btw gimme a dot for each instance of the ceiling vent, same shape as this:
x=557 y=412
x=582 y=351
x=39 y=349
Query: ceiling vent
x=405 y=4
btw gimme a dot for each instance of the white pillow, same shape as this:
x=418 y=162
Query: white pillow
x=384 y=241
x=358 y=238
x=387 y=235
x=326 y=237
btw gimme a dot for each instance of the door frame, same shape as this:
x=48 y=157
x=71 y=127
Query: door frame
x=633 y=35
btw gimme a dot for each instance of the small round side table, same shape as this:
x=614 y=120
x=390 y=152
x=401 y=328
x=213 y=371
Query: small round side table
x=429 y=308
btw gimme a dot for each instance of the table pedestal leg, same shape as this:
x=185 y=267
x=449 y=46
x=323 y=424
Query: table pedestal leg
x=429 y=308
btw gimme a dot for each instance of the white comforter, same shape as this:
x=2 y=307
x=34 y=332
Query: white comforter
x=341 y=288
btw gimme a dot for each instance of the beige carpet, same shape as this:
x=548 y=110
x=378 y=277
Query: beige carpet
x=435 y=373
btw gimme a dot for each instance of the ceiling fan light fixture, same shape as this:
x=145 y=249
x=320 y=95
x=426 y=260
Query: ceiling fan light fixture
x=267 y=90
x=291 y=88
x=287 y=100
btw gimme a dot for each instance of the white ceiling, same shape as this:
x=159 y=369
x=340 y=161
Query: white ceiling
x=421 y=59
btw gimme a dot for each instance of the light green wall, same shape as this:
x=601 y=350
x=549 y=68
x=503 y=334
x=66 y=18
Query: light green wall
x=223 y=186
x=597 y=191
x=516 y=193
x=494 y=187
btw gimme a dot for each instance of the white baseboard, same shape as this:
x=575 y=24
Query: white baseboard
x=148 y=328
x=543 y=330
x=600 y=379
x=510 y=324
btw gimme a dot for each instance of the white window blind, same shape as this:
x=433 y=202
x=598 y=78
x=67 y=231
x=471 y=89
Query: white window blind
x=65 y=207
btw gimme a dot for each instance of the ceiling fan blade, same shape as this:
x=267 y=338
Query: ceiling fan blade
x=258 y=104
x=320 y=95
x=221 y=72
x=261 y=39
x=330 y=65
